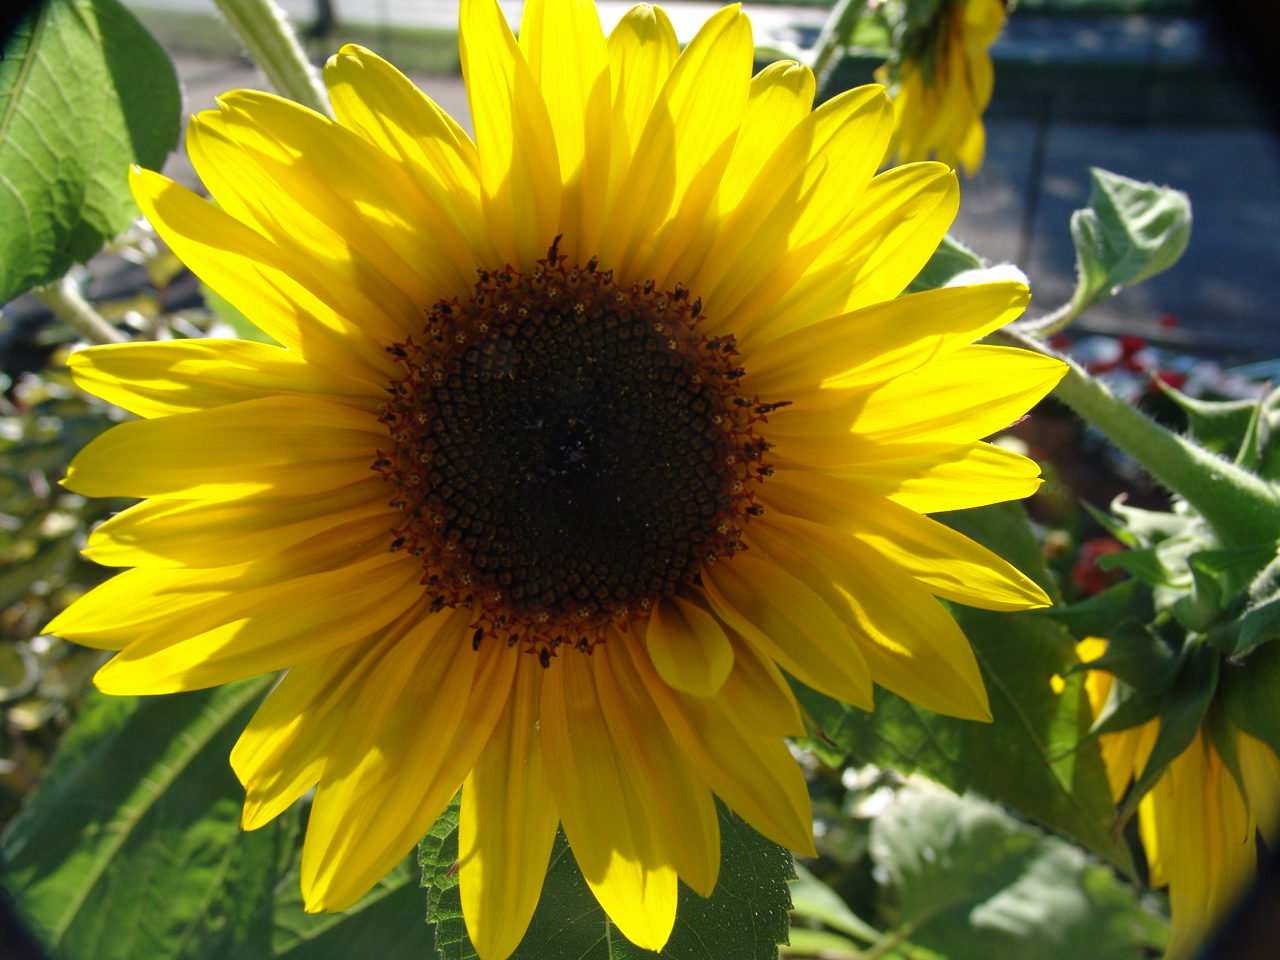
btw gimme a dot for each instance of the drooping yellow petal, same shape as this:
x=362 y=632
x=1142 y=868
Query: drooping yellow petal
x=755 y=775
x=621 y=856
x=507 y=825
x=938 y=477
x=416 y=730
x=946 y=563
x=519 y=168
x=1260 y=770
x=786 y=619
x=376 y=101
x=880 y=342
x=688 y=647
x=156 y=379
x=910 y=644
x=758 y=693
x=218 y=533
x=283 y=750
x=259 y=279
x=678 y=803
x=565 y=49
x=264 y=630
x=285 y=445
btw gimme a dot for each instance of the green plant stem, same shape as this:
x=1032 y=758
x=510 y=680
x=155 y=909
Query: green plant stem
x=266 y=34
x=835 y=36
x=62 y=296
x=1242 y=508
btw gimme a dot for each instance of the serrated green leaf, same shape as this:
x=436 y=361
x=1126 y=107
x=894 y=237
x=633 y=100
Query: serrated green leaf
x=1130 y=231
x=84 y=92
x=745 y=918
x=132 y=850
x=1028 y=756
x=950 y=259
x=978 y=885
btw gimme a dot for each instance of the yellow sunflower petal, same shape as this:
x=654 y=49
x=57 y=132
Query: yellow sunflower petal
x=755 y=775
x=688 y=647
x=911 y=645
x=1260 y=770
x=931 y=479
x=781 y=96
x=642 y=50
x=887 y=238
x=507 y=825
x=679 y=804
x=246 y=268
x=289 y=445
x=302 y=618
x=565 y=48
x=968 y=394
x=519 y=169
x=880 y=342
x=686 y=143
x=786 y=619
x=178 y=376
x=416 y=730
x=283 y=750
x=218 y=533
x=757 y=692
x=946 y=563
x=621 y=856
x=376 y=101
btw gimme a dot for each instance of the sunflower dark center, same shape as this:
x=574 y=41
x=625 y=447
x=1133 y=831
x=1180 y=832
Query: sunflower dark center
x=568 y=450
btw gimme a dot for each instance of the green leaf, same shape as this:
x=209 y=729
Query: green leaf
x=84 y=92
x=1103 y=613
x=745 y=918
x=950 y=259
x=814 y=900
x=387 y=923
x=1250 y=693
x=1218 y=425
x=978 y=885
x=806 y=944
x=1143 y=563
x=132 y=847
x=1130 y=231
x=1028 y=757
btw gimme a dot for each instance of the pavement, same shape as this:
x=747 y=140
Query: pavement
x=1222 y=292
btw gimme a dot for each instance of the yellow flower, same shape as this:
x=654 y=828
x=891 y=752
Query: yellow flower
x=1197 y=826
x=944 y=88
x=552 y=537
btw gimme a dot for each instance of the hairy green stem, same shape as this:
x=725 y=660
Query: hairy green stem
x=63 y=297
x=1242 y=508
x=266 y=34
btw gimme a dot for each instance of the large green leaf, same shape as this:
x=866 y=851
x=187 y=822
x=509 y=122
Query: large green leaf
x=84 y=92
x=745 y=918
x=1129 y=231
x=976 y=884
x=1028 y=756
x=132 y=847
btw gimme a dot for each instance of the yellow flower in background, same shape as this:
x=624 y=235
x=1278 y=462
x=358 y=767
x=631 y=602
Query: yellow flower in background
x=579 y=436
x=1197 y=826
x=944 y=88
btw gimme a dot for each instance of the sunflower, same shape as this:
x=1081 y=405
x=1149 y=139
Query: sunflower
x=944 y=84
x=580 y=435
x=1198 y=822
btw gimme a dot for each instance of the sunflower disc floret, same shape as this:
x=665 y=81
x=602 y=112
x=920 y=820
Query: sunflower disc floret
x=568 y=450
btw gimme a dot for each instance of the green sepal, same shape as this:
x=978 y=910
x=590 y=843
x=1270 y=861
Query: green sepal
x=1185 y=703
x=1258 y=625
x=1250 y=694
x=950 y=259
x=1217 y=425
x=1152 y=526
x=1219 y=579
x=1144 y=564
x=1113 y=525
x=1225 y=737
x=1256 y=437
x=1100 y=615
x=1137 y=656
x=1126 y=707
